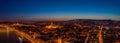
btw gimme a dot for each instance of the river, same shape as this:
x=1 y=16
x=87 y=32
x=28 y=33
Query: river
x=7 y=36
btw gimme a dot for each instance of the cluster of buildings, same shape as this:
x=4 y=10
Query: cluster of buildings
x=71 y=33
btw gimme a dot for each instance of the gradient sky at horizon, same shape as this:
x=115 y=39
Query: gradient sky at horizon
x=59 y=9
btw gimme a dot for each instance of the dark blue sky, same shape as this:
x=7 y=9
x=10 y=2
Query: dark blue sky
x=59 y=9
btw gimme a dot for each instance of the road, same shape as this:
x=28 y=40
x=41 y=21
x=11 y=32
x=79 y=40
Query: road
x=27 y=37
x=100 y=35
x=87 y=38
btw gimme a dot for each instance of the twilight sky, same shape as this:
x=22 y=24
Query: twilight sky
x=59 y=9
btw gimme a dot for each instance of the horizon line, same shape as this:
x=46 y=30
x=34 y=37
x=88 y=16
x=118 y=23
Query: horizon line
x=53 y=20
